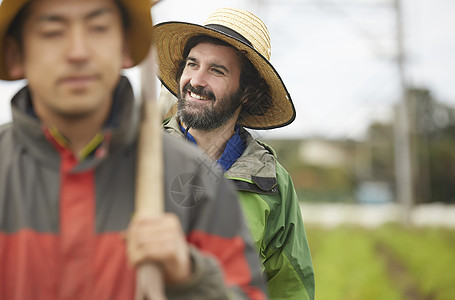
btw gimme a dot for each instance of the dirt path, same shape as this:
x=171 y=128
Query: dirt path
x=399 y=275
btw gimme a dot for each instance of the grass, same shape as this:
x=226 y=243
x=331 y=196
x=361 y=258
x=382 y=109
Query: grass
x=356 y=264
x=429 y=256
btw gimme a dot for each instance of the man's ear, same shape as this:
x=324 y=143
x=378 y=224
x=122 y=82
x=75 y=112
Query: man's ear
x=14 y=58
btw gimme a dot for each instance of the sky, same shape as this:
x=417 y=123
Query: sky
x=337 y=58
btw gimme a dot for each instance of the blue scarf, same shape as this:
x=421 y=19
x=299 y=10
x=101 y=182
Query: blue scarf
x=234 y=148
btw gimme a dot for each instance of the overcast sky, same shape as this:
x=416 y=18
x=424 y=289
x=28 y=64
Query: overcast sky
x=336 y=57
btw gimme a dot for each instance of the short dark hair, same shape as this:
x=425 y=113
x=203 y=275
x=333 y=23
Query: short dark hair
x=16 y=27
x=256 y=97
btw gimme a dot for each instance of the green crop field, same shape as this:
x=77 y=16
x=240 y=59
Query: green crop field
x=387 y=263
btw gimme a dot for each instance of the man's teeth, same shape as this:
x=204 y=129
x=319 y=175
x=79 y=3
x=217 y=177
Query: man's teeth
x=197 y=96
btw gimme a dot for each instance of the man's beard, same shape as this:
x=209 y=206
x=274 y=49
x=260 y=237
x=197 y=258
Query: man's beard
x=207 y=117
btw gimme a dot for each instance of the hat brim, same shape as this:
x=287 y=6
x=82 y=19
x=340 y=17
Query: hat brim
x=139 y=33
x=170 y=39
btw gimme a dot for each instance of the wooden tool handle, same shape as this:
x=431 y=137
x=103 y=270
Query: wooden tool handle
x=149 y=177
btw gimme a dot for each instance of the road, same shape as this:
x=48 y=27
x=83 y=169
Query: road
x=371 y=216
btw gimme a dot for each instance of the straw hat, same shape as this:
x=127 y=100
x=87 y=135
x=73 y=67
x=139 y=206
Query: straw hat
x=140 y=32
x=242 y=30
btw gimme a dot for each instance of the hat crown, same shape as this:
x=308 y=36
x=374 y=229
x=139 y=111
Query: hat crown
x=247 y=25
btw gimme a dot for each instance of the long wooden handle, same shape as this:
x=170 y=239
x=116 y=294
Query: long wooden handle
x=149 y=177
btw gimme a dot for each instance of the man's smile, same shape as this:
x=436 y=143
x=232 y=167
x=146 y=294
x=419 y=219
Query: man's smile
x=199 y=97
x=198 y=94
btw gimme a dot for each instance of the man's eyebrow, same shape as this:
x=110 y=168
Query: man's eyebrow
x=98 y=12
x=59 y=18
x=51 y=18
x=191 y=59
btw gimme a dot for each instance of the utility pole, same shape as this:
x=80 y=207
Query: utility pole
x=403 y=166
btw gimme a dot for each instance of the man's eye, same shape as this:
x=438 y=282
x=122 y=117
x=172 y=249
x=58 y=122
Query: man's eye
x=99 y=28
x=51 y=34
x=218 y=71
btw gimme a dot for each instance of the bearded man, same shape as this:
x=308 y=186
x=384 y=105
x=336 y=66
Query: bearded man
x=221 y=74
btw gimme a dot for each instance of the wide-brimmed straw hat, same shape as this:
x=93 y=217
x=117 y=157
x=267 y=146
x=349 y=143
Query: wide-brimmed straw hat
x=244 y=31
x=139 y=34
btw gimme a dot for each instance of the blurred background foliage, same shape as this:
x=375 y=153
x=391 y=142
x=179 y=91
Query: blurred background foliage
x=387 y=263
x=353 y=171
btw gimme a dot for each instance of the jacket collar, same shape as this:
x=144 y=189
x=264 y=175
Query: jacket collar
x=257 y=161
x=121 y=127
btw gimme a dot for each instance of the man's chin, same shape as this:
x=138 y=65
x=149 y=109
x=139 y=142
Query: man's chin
x=76 y=115
x=192 y=108
x=77 y=112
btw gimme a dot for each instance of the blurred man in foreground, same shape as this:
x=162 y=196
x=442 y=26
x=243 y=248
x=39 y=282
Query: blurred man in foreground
x=67 y=168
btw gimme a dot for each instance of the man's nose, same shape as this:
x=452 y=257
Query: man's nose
x=199 y=78
x=78 y=48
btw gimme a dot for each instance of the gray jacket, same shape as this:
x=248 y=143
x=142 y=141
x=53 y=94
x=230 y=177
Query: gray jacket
x=61 y=218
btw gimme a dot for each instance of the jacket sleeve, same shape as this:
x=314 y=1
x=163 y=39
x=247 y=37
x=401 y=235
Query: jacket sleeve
x=284 y=249
x=276 y=224
x=211 y=217
x=206 y=283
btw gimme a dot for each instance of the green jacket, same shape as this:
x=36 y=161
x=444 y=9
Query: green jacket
x=272 y=210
